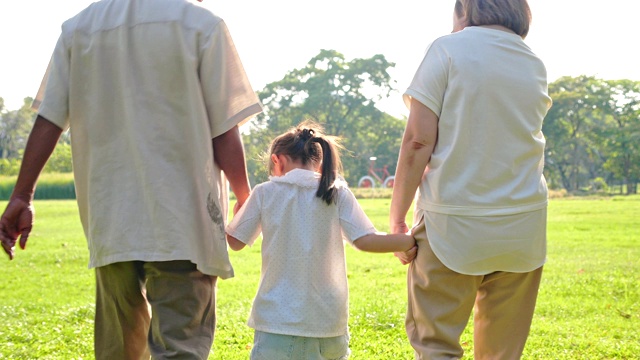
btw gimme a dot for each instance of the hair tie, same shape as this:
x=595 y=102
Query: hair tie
x=307 y=134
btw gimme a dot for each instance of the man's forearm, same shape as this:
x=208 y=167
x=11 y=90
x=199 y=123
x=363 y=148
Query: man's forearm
x=228 y=153
x=41 y=143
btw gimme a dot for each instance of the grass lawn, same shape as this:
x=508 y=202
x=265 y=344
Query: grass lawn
x=588 y=308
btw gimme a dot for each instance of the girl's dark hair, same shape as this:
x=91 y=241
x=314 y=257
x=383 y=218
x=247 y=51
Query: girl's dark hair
x=306 y=143
x=512 y=14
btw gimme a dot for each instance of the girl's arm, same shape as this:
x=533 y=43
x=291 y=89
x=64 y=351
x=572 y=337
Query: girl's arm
x=384 y=243
x=234 y=243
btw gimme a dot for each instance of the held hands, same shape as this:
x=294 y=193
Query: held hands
x=17 y=220
x=407 y=256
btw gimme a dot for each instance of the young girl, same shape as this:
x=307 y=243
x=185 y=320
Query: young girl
x=304 y=212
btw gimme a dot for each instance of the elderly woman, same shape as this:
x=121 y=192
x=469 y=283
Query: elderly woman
x=477 y=103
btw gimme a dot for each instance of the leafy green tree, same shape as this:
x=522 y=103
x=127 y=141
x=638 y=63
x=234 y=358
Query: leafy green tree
x=621 y=139
x=573 y=155
x=338 y=94
x=60 y=160
x=593 y=132
x=14 y=129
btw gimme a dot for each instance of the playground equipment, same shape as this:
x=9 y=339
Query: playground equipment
x=384 y=178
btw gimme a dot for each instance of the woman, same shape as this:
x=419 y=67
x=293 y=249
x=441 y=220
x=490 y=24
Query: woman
x=476 y=106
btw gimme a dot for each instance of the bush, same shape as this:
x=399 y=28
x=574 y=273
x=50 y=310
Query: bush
x=554 y=194
x=9 y=167
x=50 y=186
x=372 y=193
x=60 y=160
x=599 y=185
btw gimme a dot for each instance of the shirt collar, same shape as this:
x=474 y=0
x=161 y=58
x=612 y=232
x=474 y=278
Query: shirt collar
x=304 y=178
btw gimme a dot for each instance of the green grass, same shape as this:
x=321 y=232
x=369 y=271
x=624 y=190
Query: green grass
x=588 y=308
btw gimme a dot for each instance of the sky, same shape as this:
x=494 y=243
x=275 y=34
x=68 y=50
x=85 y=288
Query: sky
x=572 y=37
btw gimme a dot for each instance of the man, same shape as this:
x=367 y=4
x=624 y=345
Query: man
x=144 y=87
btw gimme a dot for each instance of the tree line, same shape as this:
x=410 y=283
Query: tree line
x=592 y=129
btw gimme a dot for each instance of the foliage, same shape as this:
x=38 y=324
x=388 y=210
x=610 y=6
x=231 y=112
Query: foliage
x=588 y=306
x=593 y=130
x=14 y=129
x=50 y=186
x=60 y=160
x=341 y=96
x=9 y=167
x=621 y=140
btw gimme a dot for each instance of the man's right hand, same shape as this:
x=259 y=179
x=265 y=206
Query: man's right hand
x=17 y=220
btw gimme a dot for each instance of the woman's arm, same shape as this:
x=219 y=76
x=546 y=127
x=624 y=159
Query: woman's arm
x=418 y=141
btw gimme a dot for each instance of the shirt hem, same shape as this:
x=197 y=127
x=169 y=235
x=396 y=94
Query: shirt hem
x=481 y=211
x=295 y=332
x=486 y=272
x=207 y=270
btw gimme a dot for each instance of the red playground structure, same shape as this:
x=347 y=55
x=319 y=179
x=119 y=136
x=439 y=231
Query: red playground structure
x=375 y=176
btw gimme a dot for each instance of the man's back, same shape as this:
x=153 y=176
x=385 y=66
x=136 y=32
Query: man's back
x=145 y=86
x=153 y=92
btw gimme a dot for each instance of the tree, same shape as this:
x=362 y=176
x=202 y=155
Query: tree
x=14 y=129
x=338 y=94
x=572 y=153
x=621 y=140
x=593 y=132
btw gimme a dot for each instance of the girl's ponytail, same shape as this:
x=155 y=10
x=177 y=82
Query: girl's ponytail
x=326 y=189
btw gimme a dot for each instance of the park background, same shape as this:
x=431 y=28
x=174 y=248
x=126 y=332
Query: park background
x=345 y=65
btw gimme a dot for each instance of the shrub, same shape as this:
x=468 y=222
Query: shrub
x=9 y=167
x=50 y=186
x=599 y=185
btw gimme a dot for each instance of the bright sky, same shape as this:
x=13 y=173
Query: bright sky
x=573 y=37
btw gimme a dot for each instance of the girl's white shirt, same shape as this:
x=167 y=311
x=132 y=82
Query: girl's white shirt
x=303 y=286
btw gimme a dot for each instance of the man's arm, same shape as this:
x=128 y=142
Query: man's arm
x=18 y=217
x=228 y=153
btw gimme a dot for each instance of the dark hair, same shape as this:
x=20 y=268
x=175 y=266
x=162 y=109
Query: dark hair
x=512 y=14
x=306 y=143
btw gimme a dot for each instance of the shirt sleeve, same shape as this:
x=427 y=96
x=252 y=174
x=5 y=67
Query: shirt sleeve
x=353 y=220
x=246 y=224
x=228 y=95
x=52 y=99
x=430 y=81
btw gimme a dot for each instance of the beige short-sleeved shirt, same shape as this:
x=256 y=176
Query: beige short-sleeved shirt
x=484 y=197
x=303 y=285
x=144 y=86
